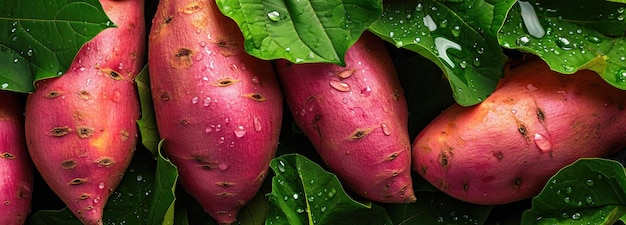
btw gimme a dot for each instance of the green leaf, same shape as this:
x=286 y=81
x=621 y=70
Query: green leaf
x=571 y=37
x=589 y=191
x=147 y=124
x=46 y=35
x=141 y=198
x=434 y=208
x=303 y=193
x=458 y=36
x=301 y=31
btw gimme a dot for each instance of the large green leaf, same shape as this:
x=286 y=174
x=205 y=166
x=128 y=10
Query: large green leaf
x=303 y=193
x=589 y=191
x=571 y=37
x=39 y=39
x=301 y=31
x=147 y=124
x=459 y=36
x=143 y=197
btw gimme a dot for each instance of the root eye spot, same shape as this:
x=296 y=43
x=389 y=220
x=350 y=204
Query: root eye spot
x=85 y=132
x=360 y=133
x=225 y=194
x=84 y=196
x=183 y=52
x=256 y=96
x=77 y=181
x=104 y=162
x=112 y=74
x=59 y=131
x=68 y=164
x=168 y=20
x=53 y=94
x=7 y=155
x=165 y=96
x=225 y=82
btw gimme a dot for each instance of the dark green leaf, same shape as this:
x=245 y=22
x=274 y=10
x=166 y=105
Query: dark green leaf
x=164 y=191
x=571 y=37
x=589 y=191
x=147 y=124
x=301 y=31
x=46 y=35
x=434 y=208
x=458 y=36
x=303 y=193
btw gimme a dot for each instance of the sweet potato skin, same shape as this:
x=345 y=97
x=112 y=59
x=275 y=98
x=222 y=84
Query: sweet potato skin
x=536 y=122
x=218 y=108
x=356 y=118
x=81 y=127
x=16 y=168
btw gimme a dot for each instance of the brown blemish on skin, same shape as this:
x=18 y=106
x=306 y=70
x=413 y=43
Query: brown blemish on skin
x=540 y=116
x=68 y=164
x=53 y=94
x=184 y=122
x=112 y=74
x=7 y=155
x=256 y=97
x=167 y=19
x=393 y=156
x=193 y=7
x=104 y=161
x=84 y=95
x=84 y=132
x=59 y=131
x=259 y=179
x=125 y=135
x=517 y=183
x=521 y=128
x=182 y=58
x=84 y=196
x=359 y=133
x=225 y=82
x=227 y=46
x=225 y=194
x=443 y=159
x=498 y=155
x=465 y=186
x=225 y=184
x=165 y=96
x=77 y=181
x=396 y=94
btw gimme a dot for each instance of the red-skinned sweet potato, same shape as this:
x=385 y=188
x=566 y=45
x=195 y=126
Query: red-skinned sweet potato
x=81 y=128
x=218 y=108
x=536 y=122
x=356 y=117
x=16 y=168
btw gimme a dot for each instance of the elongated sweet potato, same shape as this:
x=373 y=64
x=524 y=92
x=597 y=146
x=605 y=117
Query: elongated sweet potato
x=80 y=128
x=356 y=117
x=506 y=148
x=218 y=108
x=16 y=168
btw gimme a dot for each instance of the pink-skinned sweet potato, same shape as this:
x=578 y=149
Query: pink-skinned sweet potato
x=16 y=168
x=356 y=118
x=536 y=122
x=81 y=127
x=218 y=108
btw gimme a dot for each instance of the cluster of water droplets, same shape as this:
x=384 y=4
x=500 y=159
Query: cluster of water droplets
x=453 y=217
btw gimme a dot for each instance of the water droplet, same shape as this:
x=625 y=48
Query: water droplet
x=194 y=100
x=218 y=128
x=340 y=86
x=323 y=209
x=281 y=166
x=207 y=101
x=299 y=210
x=564 y=44
x=274 y=16
x=430 y=23
x=463 y=64
x=295 y=196
x=440 y=220
x=139 y=177
x=223 y=166
x=542 y=143
x=198 y=56
x=29 y=52
x=567 y=200
x=476 y=62
x=443 y=45
x=590 y=182
x=419 y=7
x=621 y=76
x=101 y=185
x=391 y=34
x=589 y=200
x=240 y=131
x=569 y=190
x=257 y=123
x=594 y=39
x=531 y=87
x=531 y=21
x=366 y=91
x=4 y=85
x=456 y=31
x=576 y=216
x=385 y=129
x=523 y=40
x=16 y=60
x=287 y=49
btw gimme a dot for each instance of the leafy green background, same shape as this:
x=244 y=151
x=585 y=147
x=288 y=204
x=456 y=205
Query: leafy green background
x=437 y=67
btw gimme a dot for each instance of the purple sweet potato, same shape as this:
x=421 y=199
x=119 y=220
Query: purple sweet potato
x=218 y=108
x=16 y=168
x=81 y=128
x=536 y=122
x=356 y=117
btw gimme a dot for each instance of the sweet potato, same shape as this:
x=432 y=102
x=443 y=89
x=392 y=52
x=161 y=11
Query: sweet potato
x=81 y=127
x=218 y=108
x=16 y=168
x=356 y=117
x=536 y=122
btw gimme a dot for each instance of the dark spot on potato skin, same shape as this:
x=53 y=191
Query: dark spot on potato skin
x=498 y=155
x=540 y=116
